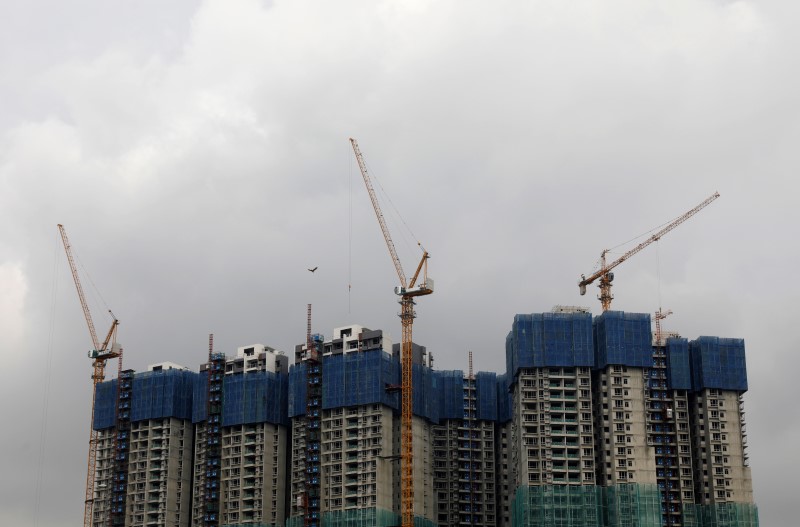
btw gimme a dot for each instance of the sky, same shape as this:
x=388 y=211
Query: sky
x=197 y=154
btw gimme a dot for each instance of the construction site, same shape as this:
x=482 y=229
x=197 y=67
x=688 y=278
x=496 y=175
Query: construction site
x=604 y=420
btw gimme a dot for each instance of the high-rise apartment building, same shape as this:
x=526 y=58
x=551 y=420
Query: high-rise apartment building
x=596 y=421
x=145 y=455
x=241 y=447
x=360 y=431
x=465 y=448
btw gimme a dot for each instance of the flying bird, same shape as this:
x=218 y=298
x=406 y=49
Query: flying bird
x=314 y=269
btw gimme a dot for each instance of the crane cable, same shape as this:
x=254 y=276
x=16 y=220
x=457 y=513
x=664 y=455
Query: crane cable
x=609 y=251
x=394 y=208
x=350 y=233
x=46 y=397
x=89 y=277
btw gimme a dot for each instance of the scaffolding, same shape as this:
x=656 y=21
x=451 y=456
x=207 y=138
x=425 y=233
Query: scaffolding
x=313 y=432
x=557 y=506
x=369 y=517
x=721 y=515
x=213 y=438
x=626 y=505
x=122 y=430
x=631 y=505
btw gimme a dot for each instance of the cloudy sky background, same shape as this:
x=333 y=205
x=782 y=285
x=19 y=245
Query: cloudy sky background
x=197 y=153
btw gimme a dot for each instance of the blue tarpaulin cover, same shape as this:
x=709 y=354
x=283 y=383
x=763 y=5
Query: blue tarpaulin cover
x=623 y=339
x=247 y=398
x=155 y=395
x=297 y=389
x=503 y=399
x=450 y=394
x=104 y=413
x=542 y=340
x=718 y=363
x=486 y=394
x=358 y=378
x=255 y=397
x=679 y=375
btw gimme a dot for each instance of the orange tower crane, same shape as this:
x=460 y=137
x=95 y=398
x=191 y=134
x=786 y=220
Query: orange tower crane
x=606 y=276
x=407 y=291
x=100 y=353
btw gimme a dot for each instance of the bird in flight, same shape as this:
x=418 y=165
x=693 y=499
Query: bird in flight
x=314 y=269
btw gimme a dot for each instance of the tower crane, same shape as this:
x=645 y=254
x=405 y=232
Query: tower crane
x=407 y=291
x=100 y=353
x=605 y=275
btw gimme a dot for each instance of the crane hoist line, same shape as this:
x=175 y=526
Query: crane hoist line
x=407 y=290
x=605 y=275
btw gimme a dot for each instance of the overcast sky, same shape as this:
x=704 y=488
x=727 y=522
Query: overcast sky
x=197 y=153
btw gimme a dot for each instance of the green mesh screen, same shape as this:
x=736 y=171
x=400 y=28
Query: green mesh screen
x=631 y=505
x=721 y=515
x=372 y=517
x=556 y=506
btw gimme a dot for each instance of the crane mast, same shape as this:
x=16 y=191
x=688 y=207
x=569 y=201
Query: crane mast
x=605 y=275
x=407 y=292
x=99 y=355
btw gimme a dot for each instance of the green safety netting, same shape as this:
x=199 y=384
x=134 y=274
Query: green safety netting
x=721 y=515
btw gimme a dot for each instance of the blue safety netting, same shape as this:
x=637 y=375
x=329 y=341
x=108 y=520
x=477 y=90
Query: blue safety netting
x=623 y=339
x=450 y=394
x=161 y=394
x=425 y=391
x=718 y=363
x=199 y=397
x=679 y=374
x=353 y=379
x=504 y=411
x=486 y=394
x=104 y=403
x=297 y=389
x=255 y=397
x=549 y=339
x=154 y=395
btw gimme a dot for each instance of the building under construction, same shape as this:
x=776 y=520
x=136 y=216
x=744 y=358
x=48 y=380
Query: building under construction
x=597 y=421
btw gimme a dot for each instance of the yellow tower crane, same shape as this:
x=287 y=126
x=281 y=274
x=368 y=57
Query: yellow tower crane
x=407 y=291
x=606 y=276
x=100 y=353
